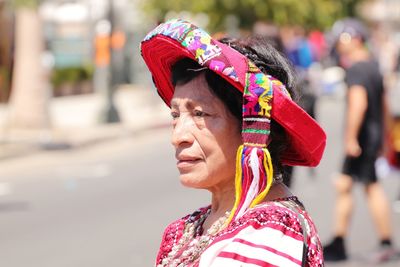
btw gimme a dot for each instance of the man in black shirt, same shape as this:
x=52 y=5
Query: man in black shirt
x=362 y=140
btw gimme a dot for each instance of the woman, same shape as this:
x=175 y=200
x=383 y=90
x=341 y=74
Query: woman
x=234 y=126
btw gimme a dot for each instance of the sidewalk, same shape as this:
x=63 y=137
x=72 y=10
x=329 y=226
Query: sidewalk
x=76 y=122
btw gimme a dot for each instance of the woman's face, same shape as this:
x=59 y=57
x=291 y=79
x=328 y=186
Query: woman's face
x=205 y=136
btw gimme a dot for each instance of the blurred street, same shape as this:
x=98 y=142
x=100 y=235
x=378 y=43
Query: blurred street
x=104 y=204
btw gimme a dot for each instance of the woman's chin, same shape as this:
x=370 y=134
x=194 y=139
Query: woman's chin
x=189 y=181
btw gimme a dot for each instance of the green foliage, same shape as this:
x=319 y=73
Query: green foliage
x=26 y=3
x=72 y=75
x=318 y=14
x=4 y=83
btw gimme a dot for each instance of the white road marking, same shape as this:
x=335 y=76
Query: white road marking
x=85 y=171
x=5 y=189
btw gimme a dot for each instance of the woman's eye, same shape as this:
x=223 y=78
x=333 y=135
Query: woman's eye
x=174 y=114
x=199 y=113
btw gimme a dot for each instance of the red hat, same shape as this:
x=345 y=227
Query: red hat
x=178 y=39
x=264 y=98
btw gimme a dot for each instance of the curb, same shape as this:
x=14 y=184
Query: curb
x=76 y=123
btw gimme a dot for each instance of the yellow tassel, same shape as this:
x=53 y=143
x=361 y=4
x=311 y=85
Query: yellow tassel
x=238 y=183
x=269 y=173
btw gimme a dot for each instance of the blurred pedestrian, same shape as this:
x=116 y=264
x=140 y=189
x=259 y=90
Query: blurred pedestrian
x=363 y=141
x=302 y=53
x=234 y=126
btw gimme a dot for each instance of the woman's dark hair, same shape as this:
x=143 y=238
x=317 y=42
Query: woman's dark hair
x=268 y=60
x=187 y=69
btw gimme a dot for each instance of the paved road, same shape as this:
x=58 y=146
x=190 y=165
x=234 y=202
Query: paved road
x=106 y=205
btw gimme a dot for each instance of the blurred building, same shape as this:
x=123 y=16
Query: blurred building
x=67 y=33
x=78 y=47
x=383 y=11
x=384 y=19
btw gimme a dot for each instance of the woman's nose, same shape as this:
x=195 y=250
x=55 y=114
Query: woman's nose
x=182 y=131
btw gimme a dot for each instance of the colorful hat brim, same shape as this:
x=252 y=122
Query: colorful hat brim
x=307 y=139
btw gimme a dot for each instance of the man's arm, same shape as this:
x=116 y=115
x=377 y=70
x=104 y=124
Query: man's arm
x=357 y=106
x=388 y=125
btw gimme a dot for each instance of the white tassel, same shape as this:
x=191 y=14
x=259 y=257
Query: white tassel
x=253 y=189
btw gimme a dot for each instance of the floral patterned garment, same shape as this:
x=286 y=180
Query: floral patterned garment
x=270 y=234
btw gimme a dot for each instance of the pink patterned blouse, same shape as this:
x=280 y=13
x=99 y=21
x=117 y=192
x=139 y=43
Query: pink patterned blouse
x=270 y=234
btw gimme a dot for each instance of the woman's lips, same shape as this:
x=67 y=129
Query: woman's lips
x=182 y=163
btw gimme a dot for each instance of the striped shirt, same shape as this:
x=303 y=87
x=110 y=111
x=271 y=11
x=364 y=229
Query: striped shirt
x=269 y=234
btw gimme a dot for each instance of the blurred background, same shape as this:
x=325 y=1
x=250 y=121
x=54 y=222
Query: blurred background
x=81 y=126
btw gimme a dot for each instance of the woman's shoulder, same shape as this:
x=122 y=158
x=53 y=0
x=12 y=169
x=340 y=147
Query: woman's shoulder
x=174 y=231
x=288 y=216
x=273 y=214
x=179 y=224
x=274 y=227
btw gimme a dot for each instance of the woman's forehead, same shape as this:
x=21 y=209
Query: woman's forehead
x=196 y=91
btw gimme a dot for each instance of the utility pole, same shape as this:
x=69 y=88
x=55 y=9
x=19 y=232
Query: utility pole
x=111 y=113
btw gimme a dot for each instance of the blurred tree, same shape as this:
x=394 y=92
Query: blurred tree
x=29 y=96
x=5 y=50
x=318 y=14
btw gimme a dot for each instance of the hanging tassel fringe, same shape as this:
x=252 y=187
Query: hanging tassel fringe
x=254 y=177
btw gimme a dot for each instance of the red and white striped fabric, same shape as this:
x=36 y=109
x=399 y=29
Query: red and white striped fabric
x=267 y=235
